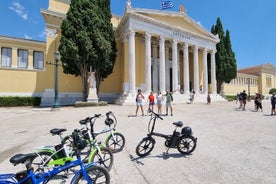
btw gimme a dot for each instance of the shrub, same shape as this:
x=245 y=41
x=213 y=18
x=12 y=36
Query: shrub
x=90 y=104
x=19 y=101
x=272 y=90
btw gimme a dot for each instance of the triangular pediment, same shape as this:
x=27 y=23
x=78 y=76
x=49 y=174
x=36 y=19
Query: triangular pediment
x=173 y=19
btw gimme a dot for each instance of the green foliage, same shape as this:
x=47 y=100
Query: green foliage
x=272 y=90
x=19 y=101
x=90 y=104
x=87 y=39
x=226 y=65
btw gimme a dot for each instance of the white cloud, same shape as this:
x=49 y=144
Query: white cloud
x=19 y=10
x=27 y=37
x=42 y=34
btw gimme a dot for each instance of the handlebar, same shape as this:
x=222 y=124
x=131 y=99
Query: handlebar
x=156 y=115
x=89 y=119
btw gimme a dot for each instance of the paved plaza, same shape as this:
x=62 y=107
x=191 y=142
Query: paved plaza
x=234 y=146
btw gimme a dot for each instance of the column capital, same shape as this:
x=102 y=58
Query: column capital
x=162 y=39
x=185 y=45
x=148 y=35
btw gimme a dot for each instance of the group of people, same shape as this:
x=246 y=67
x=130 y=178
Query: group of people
x=242 y=98
x=152 y=99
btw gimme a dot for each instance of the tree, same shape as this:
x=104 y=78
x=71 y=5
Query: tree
x=87 y=41
x=226 y=66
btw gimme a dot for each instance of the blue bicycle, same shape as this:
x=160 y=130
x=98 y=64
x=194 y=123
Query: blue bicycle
x=89 y=174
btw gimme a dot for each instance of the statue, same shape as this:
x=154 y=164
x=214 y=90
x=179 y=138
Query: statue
x=92 y=94
x=92 y=80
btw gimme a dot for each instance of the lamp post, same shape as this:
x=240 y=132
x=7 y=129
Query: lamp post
x=248 y=82
x=57 y=57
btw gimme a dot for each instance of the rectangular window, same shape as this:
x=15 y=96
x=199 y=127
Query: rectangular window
x=6 y=57
x=22 y=60
x=268 y=81
x=38 y=60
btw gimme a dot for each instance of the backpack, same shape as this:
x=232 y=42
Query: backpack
x=171 y=97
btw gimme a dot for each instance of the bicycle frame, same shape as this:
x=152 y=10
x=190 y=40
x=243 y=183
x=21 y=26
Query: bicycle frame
x=56 y=159
x=46 y=176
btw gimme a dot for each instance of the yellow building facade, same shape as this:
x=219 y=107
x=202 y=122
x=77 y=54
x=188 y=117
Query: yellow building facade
x=157 y=50
x=255 y=79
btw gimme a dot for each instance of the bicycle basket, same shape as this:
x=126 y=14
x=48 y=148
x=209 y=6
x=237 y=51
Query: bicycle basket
x=186 y=131
x=109 y=121
x=21 y=175
x=78 y=142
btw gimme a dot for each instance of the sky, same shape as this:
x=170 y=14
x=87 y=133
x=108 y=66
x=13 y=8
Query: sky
x=252 y=23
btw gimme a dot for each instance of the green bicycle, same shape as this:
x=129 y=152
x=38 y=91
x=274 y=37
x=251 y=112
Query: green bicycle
x=60 y=154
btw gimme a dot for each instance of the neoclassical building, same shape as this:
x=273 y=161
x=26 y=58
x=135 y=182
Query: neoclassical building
x=254 y=79
x=157 y=50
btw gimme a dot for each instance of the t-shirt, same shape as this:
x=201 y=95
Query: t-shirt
x=151 y=98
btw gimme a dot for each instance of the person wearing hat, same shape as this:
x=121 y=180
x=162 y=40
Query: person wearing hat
x=273 y=103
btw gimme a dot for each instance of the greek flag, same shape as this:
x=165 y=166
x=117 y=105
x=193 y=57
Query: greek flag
x=166 y=5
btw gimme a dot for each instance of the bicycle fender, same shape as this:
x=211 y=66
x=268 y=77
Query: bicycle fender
x=153 y=140
x=109 y=135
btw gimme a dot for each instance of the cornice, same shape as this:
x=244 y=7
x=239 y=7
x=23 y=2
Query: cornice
x=133 y=13
x=22 y=40
x=169 y=27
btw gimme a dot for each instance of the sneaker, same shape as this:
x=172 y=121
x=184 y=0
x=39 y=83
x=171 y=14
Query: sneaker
x=166 y=114
x=171 y=114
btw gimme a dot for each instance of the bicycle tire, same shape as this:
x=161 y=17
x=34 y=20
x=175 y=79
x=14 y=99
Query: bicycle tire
x=116 y=142
x=97 y=174
x=145 y=146
x=106 y=161
x=186 y=144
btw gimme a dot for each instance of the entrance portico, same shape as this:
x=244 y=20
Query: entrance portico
x=167 y=46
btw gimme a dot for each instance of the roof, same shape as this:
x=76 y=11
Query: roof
x=176 y=21
x=257 y=70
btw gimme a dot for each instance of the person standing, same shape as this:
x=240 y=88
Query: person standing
x=169 y=99
x=159 y=100
x=151 y=101
x=208 y=99
x=258 y=102
x=243 y=99
x=273 y=103
x=139 y=102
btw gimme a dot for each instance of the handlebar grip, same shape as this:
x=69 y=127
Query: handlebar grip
x=159 y=116
x=97 y=115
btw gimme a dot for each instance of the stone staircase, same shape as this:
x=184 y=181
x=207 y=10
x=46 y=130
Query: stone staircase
x=126 y=99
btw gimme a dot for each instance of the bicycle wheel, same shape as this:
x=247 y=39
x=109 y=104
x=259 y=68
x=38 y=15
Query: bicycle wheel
x=97 y=174
x=145 y=146
x=186 y=144
x=115 y=142
x=105 y=158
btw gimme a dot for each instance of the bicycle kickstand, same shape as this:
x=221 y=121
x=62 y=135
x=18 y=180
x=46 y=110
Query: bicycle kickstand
x=167 y=152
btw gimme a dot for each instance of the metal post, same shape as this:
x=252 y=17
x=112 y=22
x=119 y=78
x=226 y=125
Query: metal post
x=56 y=103
x=248 y=82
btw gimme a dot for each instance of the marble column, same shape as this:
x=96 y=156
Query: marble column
x=148 y=63
x=186 y=69
x=162 y=71
x=131 y=60
x=196 y=81
x=205 y=72
x=174 y=66
x=213 y=72
x=155 y=71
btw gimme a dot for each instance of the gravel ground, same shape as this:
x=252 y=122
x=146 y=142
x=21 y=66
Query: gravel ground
x=234 y=146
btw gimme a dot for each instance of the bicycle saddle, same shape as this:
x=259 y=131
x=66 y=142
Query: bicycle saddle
x=57 y=131
x=178 y=123
x=21 y=158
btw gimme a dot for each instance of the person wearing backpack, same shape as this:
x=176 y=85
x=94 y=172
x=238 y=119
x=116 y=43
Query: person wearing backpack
x=169 y=100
